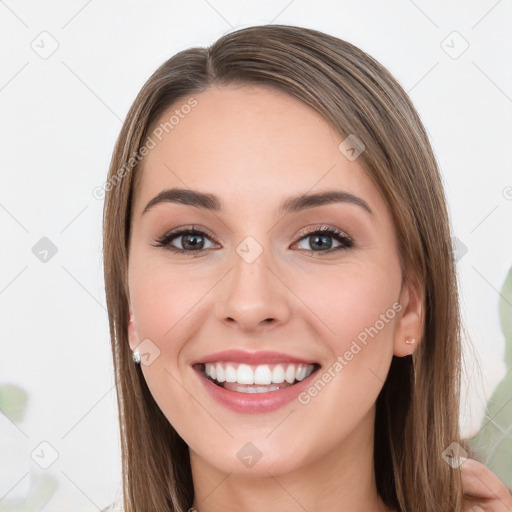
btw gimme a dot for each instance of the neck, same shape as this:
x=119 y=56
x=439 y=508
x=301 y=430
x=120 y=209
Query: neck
x=341 y=479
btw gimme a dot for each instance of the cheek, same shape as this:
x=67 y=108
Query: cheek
x=356 y=302
x=163 y=298
x=163 y=303
x=359 y=305
x=167 y=301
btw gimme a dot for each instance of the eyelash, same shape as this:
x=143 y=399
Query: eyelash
x=165 y=241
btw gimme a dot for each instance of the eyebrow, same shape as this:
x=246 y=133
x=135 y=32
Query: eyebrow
x=290 y=205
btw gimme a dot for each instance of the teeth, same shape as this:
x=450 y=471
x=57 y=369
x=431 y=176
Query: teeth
x=244 y=374
x=278 y=374
x=301 y=372
x=262 y=374
x=290 y=373
x=254 y=389
x=230 y=374
x=209 y=369
x=219 y=370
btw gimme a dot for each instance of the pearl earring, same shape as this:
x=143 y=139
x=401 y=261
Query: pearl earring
x=410 y=341
x=136 y=357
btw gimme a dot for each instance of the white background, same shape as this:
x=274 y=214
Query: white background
x=59 y=118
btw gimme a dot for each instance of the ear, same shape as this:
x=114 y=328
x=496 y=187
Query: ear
x=133 y=337
x=409 y=326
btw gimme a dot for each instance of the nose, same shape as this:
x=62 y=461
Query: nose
x=254 y=296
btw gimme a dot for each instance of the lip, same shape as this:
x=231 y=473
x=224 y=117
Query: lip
x=251 y=358
x=253 y=403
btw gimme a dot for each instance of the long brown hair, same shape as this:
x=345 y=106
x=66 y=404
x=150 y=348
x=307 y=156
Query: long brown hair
x=417 y=411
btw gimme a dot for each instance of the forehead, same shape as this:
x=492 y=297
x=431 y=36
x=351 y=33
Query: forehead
x=247 y=143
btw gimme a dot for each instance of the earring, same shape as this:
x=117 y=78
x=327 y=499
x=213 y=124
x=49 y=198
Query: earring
x=410 y=341
x=136 y=357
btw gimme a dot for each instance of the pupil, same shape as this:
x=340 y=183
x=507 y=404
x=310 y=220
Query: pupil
x=191 y=241
x=321 y=241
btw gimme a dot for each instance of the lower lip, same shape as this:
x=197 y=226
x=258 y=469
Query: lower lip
x=250 y=403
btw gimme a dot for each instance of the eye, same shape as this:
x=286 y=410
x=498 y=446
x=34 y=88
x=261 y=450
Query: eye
x=320 y=240
x=189 y=240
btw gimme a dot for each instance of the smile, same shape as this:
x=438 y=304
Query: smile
x=254 y=382
x=263 y=378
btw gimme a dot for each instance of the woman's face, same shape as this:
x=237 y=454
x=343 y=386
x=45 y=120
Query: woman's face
x=262 y=282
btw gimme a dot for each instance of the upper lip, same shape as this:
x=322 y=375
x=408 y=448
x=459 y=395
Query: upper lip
x=252 y=358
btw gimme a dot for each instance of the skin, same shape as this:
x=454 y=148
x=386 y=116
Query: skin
x=253 y=147
x=483 y=490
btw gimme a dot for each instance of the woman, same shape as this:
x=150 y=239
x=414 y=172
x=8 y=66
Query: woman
x=278 y=263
